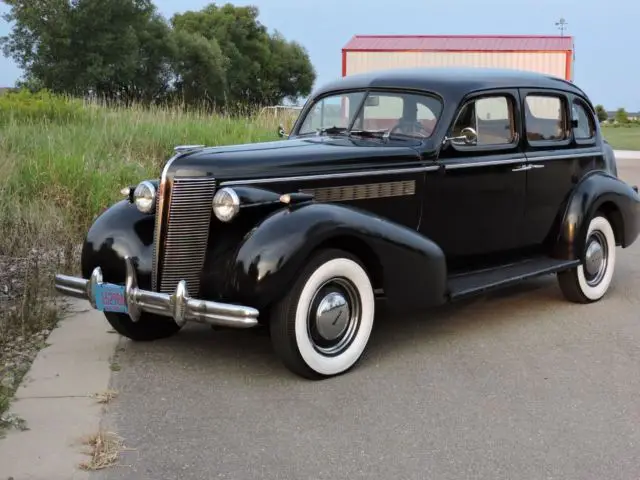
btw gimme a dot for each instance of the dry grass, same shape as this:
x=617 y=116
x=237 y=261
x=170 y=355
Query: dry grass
x=104 y=451
x=105 y=397
x=62 y=168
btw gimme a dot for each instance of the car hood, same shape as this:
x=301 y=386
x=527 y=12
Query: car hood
x=290 y=157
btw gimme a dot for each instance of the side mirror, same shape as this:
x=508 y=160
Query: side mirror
x=281 y=132
x=469 y=137
x=372 y=101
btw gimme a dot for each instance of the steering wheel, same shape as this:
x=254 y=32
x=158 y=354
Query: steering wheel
x=413 y=126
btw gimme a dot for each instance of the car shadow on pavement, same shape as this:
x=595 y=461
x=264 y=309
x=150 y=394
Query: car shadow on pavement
x=249 y=352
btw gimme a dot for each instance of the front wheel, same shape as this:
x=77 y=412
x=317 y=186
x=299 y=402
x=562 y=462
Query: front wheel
x=322 y=326
x=589 y=281
x=148 y=328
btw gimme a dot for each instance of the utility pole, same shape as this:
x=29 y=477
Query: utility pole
x=561 y=24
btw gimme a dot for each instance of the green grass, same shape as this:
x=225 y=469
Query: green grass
x=80 y=167
x=623 y=137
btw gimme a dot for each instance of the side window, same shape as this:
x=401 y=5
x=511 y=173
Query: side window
x=586 y=128
x=491 y=118
x=545 y=118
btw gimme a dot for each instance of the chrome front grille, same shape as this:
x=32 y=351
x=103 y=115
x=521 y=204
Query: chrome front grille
x=184 y=237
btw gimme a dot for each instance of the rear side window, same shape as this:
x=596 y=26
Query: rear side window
x=545 y=118
x=585 y=128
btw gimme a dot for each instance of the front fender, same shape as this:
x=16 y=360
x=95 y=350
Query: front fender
x=412 y=268
x=598 y=190
x=119 y=231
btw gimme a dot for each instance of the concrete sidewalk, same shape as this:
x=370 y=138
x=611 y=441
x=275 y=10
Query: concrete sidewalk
x=627 y=154
x=54 y=400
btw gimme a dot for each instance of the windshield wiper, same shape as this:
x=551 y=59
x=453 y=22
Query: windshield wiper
x=359 y=133
x=369 y=133
x=331 y=130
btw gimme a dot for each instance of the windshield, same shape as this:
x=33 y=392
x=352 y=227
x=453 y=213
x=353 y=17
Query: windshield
x=398 y=115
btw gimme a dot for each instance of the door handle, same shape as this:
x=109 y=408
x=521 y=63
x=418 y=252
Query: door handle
x=521 y=168
x=537 y=165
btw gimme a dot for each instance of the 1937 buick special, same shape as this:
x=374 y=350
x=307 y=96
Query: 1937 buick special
x=419 y=186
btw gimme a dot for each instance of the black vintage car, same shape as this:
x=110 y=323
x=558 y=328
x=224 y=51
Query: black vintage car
x=418 y=186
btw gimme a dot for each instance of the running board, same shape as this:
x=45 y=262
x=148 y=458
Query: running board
x=480 y=281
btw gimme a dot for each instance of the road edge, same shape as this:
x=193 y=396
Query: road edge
x=55 y=399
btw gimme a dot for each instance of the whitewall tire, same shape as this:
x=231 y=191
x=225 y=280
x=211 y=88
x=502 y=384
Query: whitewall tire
x=590 y=281
x=322 y=326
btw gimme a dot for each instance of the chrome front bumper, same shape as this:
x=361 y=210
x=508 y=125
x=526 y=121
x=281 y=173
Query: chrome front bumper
x=177 y=305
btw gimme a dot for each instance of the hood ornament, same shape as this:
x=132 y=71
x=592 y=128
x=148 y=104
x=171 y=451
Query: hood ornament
x=187 y=148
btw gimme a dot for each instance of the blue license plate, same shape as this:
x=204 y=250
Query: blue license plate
x=111 y=298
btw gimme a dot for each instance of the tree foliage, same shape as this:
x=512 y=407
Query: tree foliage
x=622 y=116
x=601 y=113
x=125 y=51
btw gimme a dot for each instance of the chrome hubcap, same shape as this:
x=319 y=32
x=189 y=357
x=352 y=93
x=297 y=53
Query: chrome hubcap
x=596 y=258
x=334 y=317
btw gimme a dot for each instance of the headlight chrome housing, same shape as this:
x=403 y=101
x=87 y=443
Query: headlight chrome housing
x=144 y=196
x=226 y=204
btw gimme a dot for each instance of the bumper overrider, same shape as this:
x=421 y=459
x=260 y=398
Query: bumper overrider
x=131 y=300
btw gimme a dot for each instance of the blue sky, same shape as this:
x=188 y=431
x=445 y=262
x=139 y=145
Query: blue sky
x=606 y=34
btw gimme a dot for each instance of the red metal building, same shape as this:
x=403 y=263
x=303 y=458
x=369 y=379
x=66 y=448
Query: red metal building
x=552 y=55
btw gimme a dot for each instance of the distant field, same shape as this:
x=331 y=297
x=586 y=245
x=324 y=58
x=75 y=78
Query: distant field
x=623 y=138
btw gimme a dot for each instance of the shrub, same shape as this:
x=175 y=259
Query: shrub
x=25 y=106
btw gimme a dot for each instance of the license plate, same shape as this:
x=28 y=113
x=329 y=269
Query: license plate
x=110 y=298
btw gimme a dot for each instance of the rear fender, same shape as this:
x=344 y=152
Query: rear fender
x=598 y=191
x=410 y=267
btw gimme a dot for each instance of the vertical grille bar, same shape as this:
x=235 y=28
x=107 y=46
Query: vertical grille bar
x=156 y=238
x=186 y=234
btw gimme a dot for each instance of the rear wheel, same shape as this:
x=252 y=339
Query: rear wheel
x=149 y=327
x=589 y=281
x=322 y=326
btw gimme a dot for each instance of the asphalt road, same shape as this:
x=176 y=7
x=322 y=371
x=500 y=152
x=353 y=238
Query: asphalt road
x=518 y=385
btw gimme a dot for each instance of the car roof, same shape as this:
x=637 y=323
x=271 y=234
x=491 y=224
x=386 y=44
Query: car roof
x=452 y=80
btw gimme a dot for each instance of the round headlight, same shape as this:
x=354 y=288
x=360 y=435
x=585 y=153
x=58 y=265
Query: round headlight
x=226 y=204
x=144 y=197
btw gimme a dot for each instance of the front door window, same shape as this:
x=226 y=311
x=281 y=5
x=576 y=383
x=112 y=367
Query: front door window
x=490 y=117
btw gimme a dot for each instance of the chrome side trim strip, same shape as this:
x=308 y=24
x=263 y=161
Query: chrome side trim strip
x=490 y=163
x=528 y=159
x=397 y=171
x=323 y=176
x=547 y=158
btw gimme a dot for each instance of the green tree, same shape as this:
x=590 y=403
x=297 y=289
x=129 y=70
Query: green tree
x=290 y=74
x=200 y=69
x=621 y=116
x=115 y=49
x=601 y=113
x=260 y=68
x=124 y=51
